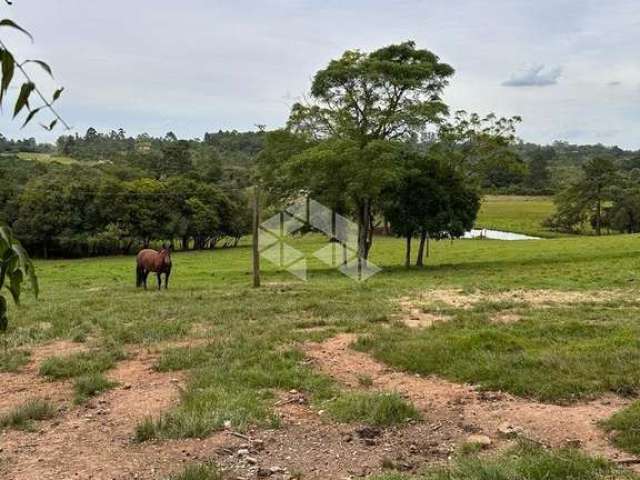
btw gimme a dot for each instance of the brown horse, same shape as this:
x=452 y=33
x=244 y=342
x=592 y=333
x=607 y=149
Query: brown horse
x=151 y=261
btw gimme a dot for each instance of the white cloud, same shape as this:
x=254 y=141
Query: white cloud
x=534 y=76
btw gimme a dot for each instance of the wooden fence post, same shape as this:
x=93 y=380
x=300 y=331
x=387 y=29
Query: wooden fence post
x=255 y=242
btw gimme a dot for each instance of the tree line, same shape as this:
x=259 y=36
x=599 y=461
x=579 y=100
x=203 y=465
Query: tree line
x=188 y=193
x=602 y=197
x=374 y=141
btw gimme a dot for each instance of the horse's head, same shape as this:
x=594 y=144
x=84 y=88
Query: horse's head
x=166 y=254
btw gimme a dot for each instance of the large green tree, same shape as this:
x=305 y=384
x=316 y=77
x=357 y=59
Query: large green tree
x=583 y=200
x=358 y=104
x=431 y=199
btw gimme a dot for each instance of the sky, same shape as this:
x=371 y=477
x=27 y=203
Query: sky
x=570 y=68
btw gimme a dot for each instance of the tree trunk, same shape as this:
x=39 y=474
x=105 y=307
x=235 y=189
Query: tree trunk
x=407 y=258
x=420 y=257
x=364 y=225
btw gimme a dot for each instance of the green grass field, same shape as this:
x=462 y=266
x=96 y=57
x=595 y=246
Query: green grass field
x=514 y=213
x=46 y=158
x=557 y=352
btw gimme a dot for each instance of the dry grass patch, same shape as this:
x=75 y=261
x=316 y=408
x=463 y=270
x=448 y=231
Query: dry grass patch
x=461 y=299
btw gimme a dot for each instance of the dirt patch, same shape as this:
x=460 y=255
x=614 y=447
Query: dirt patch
x=413 y=316
x=470 y=410
x=460 y=299
x=26 y=384
x=94 y=440
x=310 y=444
x=506 y=318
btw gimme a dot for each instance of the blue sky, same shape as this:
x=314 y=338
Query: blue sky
x=570 y=68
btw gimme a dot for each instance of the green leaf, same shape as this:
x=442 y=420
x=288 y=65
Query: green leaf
x=15 y=265
x=4 y=266
x=26 y=266
x=44 y=66
x=32 y=114
x=50 y=126
x=8 y=67
x=23 y=97
x=6 y=236
x=5 y=22
x=57 y=93
x=15 y=283
x=3 y=314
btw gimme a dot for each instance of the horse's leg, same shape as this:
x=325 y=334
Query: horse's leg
x=166 y=280
x=159 y=280
x=139 y=274
x=145 y=274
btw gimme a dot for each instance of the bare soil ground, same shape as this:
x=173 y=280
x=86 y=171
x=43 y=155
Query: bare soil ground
x=93 y=441
x=423 y=311
x=464 y=409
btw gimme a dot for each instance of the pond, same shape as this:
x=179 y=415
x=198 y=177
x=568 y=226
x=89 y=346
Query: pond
x=497 y=235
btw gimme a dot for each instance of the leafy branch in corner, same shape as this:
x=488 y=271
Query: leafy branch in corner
x=8 y=66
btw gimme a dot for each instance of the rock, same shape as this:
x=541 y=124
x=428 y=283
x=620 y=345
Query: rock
x=483 y=440
x=490 y=396
x=573 y=443
x=257 y=444
x=243 y=452
x=251 y=460
x=227 y=424
x=264 y=472
x=126 y=386
x=275 y=470
x=368 y=432
x=370 y=442
x=507 y=430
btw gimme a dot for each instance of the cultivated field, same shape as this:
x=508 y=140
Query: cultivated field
x=498 y=360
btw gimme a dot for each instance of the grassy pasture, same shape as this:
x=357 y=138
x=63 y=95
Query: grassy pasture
x=625 y=428
x=249 y=336
x=516 y=213
x=523 y=462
